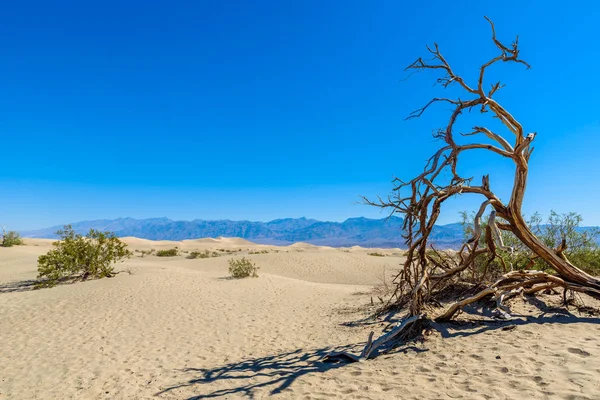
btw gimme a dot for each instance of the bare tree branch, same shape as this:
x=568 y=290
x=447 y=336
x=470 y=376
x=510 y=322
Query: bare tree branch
x=420 y=201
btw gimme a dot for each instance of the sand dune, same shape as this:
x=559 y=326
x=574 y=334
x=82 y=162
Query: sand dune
x=175 y=328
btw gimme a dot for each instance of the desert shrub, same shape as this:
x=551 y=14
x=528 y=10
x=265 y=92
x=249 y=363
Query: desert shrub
x=229 y=250
x=582 y=244
x=195 y=254
x=202 y=254
x=242 y=268
x=145 y=252
x=167 y=253
x=10 y=238
x=258 y=252
x=80 y=257
x=376 y=254
x=385 y=288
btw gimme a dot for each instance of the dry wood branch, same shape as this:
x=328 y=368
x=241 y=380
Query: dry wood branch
x=371 y=345
x=513 y=283
x=503 y=142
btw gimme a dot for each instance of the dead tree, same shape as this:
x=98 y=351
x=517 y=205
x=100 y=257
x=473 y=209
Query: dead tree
x=427 y=192
x=420 y=200
x=427 y=270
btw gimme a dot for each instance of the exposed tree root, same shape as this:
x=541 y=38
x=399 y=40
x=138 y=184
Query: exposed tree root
x=514 y=283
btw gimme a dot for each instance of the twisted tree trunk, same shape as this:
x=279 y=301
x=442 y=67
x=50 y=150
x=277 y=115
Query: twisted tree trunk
x=422 y=272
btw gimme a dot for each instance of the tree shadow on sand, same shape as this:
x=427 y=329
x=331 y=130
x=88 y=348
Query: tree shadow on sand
x=19 y=286
x=277 y=371
x=550 y=314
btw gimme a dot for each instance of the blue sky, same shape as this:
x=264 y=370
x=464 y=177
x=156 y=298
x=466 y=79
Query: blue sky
x=268 y=109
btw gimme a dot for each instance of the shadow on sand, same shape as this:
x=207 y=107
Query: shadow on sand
x=550 y=314
x=279 y=370
x=282 y=370
x=20 y=286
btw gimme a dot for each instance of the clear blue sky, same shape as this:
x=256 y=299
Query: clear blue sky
x=266 y=109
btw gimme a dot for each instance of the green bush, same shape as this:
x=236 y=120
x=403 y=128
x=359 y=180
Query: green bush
x=167 y=253
x=77 y=257
x=582 y=250
x=202 y=254
x=242 y=268
x=10 y=238
x=375 y=254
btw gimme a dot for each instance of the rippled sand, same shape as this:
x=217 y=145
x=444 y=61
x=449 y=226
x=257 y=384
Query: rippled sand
x=173 y=328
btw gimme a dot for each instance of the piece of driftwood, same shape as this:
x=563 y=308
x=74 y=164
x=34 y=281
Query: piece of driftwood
x=371 y=346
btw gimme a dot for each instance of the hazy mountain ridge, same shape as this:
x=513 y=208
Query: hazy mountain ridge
x=359 y=231
x=353 y=231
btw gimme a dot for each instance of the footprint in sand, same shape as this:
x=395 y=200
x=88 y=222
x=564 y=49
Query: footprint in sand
x=539 y=380
x=583 y=353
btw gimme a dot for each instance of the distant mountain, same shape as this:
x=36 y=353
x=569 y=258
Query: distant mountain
x=361 y=231
x=354 y=231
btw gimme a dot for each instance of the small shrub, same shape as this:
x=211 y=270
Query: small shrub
x=202 y=254
x=145 y=252
x=375 y=254
x=229 y=251
x=385 y=288
x=81 y=257
x=259 y=252
x=10 y=238
x=582 y=250
x=242 y=268
x=167 y=253
x=194 y=254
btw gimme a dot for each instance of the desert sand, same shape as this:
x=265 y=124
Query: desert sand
x=175 y=328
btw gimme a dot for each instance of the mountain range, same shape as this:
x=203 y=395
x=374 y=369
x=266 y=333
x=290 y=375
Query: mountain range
x=365 y=232
x=360 y=231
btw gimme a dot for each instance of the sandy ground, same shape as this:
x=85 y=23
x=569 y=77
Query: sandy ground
x=174 y=328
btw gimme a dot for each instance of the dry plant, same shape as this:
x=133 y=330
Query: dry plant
x=10 y=238
x=384 y=289
x=242 y=268
x=200 y=254
x=427 y=273
x=145 y=252
x=258 y=252
x=168 y=252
